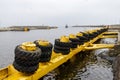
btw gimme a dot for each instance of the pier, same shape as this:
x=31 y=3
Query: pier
x=57 y=57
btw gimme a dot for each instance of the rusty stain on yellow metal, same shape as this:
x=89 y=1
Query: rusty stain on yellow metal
x=29 y=46
x=9 y=73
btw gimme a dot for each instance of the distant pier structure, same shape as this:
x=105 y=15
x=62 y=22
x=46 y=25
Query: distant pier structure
x=114 y=27
x=26 y=28
x=88 y=26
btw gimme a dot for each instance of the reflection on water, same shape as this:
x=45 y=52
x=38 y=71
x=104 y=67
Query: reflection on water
x=101 y=70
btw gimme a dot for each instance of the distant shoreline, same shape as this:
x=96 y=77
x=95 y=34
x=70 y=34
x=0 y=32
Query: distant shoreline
x=25 y=28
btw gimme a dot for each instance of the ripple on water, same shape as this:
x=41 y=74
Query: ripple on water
x=100 y=70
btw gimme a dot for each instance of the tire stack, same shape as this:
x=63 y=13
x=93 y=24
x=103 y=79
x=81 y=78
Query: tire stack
x=103 y=30
x=62 y=47
x=26 y=61
x=74 y=41
x=82 y=39
x=86 y=35
x=46 y=50
x=95 y=34
x=91 y=36
x=98 y=32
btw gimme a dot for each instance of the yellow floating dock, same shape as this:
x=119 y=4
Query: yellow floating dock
x=10 y=73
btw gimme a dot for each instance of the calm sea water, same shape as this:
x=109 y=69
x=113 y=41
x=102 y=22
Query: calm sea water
x=9 y=40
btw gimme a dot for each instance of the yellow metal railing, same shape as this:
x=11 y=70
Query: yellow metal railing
x=109 y=36
x=99 y=46
x=110 y=33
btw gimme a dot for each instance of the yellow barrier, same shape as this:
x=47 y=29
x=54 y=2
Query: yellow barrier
x=110 y=33
x=99 y=46
x=109 y=36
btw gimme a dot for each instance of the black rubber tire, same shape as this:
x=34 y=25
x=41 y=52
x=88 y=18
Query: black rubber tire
x=65 y=52
x=46 y=52
x=74 y=45
x=44 y=48
x=99 y=31
x=75 y=42
x=62 y=44
x=45 y=59
x=26 y=63
x=91 y=36
x=82 y=39
x=27 y=58
x=27 y=55
x=102 y=30
x=95 y=34
x=85 y=35
x=61 y=48
x=74 y=39
x=45 y=56
x=24 y=69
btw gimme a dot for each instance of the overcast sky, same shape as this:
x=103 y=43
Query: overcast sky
x=59 y=12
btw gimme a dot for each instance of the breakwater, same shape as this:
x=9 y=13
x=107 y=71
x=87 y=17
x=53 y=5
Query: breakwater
x=25 y=28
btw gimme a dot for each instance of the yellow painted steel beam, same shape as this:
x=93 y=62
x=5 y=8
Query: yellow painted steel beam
x=99 y=46
x=110 y=33
x=109 y=36
x=3 y=73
